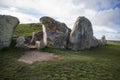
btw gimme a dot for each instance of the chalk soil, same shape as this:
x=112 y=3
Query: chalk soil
x=33 y=55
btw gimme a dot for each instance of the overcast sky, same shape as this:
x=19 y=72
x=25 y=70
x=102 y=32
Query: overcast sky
x=103 y=14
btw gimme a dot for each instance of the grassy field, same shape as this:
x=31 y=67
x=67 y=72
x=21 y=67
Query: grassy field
x=101 y=63
x=27 y=29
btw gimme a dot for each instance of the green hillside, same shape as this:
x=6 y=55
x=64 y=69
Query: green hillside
x=27 y=29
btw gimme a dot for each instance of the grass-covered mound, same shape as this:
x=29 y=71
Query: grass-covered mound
x=27 y=29
x=101 y=63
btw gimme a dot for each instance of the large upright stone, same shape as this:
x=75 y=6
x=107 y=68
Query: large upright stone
x=55 y=33
x=81 y=36
x=7 y=27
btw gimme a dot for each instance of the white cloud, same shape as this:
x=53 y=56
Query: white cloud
x=67 y=11
x=104 y=29
x=107 y=18
x=24 y=18
x=97 y=4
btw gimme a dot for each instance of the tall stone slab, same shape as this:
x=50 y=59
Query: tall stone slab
x=55 y=33
x=7 y=27
x=81 y=36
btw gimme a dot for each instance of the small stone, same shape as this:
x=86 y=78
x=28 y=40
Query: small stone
x=20 y=42
x=37 y=44
x=103 y=40
x=33 y=38
x=94 y=42
x=40 y=44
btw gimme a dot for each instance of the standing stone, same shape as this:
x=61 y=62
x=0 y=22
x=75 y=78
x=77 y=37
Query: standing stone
x=37 y=44
x=81 y=36
x=55 y=33
x=95 y=42
x=40 y=44
x=36 y=37
x=7 y=27
x=103 y=40
x=33 y=38
x=20 y=41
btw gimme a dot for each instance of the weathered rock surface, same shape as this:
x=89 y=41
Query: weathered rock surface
x=95 y=42
x=81 y=36
x=103 y=40
x=40 y=44
x=20 y=41
x=36 y=37
x=7 y=27
x=55 y=33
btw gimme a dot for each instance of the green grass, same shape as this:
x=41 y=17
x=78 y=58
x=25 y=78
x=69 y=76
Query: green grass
x=100 y=63
x=27 y=29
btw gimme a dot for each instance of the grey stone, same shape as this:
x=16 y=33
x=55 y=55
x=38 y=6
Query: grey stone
x=55 y=33
x=33 y=38
x=103 y=40
x=36 y=37
x=81 y=36
x=40 y=44
x=95 y=42
x=20 y=41
x=7 y=27
x=37 y=44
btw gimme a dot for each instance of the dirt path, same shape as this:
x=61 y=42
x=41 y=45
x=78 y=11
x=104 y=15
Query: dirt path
x=34 y=55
